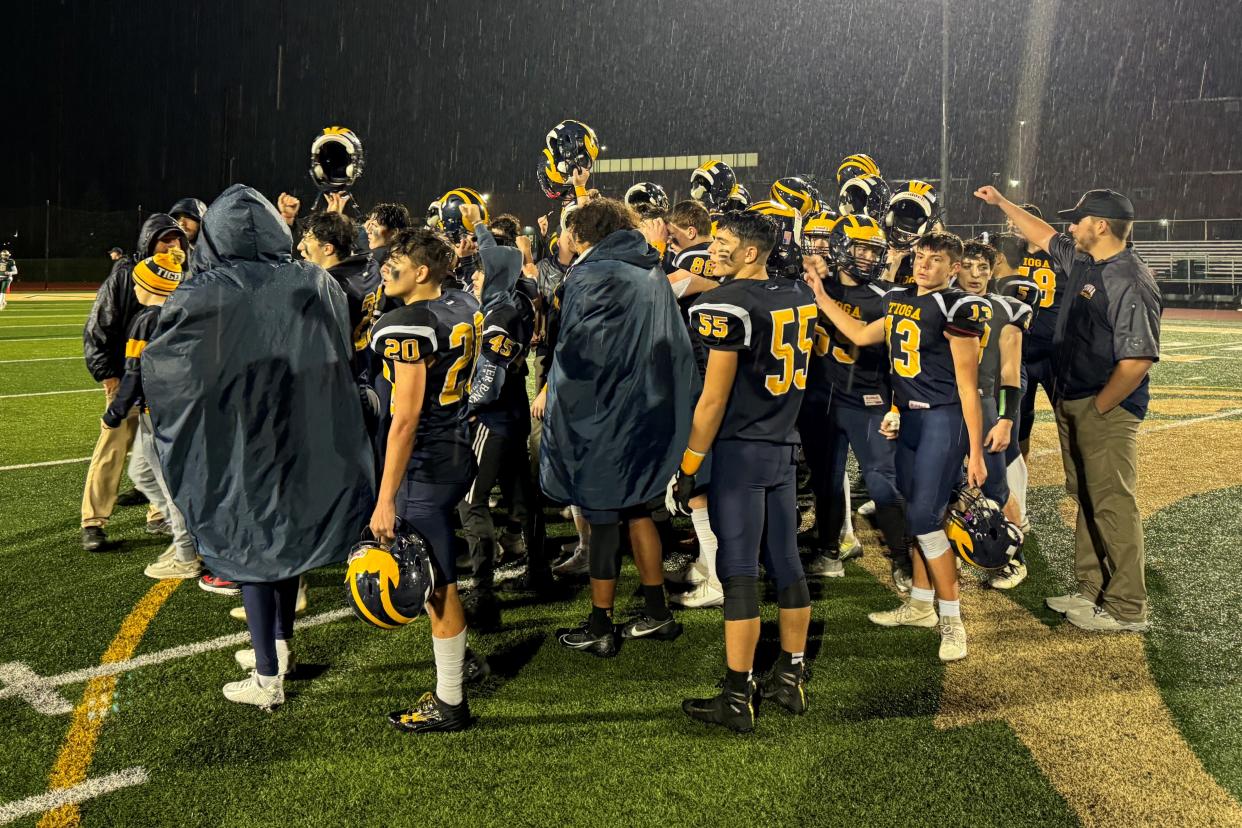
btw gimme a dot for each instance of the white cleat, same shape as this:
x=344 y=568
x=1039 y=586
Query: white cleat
x=952 y=639
x=910 y=614
x=1009 y=577
x=706 y=594
x=866 y=510
x=248 y=691
x=694 y=574
x=578 y=563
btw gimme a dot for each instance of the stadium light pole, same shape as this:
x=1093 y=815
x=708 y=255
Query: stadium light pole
x=944 y=103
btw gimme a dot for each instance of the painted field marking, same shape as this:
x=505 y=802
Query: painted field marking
x=23 y=316
x=90 y=789
x=38 y=338
x=45 y=463
x=43 y=325
x=1220 y=415
x=1231 y=345
x=22 y=682
x=54 y=359
x=47 y=393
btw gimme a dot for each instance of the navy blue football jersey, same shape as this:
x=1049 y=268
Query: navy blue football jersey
x=1005 y=311
x=770 y=323
x=1037 y=267
x=854 y=375
x=920 y=359
x=695 y=260
x=443 y=333
x=507 y=331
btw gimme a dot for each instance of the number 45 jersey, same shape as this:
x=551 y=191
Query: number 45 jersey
x=915 y=326
x=442 y=333
x=770 y=323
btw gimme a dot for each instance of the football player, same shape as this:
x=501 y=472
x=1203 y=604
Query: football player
x=428 y=349
x=689 y=235
x=848 y=396
x=759 y=332
x=932 y=331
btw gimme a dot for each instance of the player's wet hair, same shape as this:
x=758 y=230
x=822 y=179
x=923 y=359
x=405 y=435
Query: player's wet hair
x=1011 y=247
x=752 y=230
x=505 y=229
x=975 y=249
x=691 y=214
x=942 y=241
x=334 y=229
x=424 y=246
x=392 y=216
x=599 y=218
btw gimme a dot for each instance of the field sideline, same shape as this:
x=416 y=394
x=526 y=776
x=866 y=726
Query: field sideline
x=111 y=712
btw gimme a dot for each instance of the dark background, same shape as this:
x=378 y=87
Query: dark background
x=112 y=106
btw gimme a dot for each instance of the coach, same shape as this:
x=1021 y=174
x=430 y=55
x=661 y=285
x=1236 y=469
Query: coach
x=1106 y=340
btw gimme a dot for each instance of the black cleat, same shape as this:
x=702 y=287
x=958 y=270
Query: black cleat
x=430 y=715
x=131 y=498
x=787 y=688
x=476 y=668
x=93 y=538
x=730 y=709
x=482 y=610
x=644 y=626
x=581 y=638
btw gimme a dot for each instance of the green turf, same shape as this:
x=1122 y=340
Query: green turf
x=561 y=739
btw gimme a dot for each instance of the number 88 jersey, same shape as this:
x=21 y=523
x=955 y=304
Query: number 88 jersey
x=770 y=323
x=443 y=333
x=923 y=375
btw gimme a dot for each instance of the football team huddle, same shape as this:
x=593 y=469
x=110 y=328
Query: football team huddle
x=689 y=358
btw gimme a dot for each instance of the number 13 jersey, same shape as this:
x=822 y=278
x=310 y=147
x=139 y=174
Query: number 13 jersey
x=771 y=324
x=923 y=375
x=442 y=333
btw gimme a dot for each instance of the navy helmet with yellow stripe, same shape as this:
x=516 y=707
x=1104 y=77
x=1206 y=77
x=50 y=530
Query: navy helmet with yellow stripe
x=866 y=194
x=853 y=166
x=912 y=211
x=571 y=145
x=857 y=246
x=452 y=221
x=336 y=159
x=712 y=184
x=388 y=586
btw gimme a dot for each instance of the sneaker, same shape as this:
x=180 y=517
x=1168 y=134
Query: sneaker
x=903 y=579
x=581 y=638
x=1098 y=619
x=248 y=691
x=866 y=510
x=159 y=527
x=512 y=546
x=643 y=625
x=300 y=607
x=167 y=568
x=475 y=669
x=1013 y=574
x=93 y=538
x=692 y=574
x=825 y=565
x=1026 y=526
x=133 y=497
x=952 y=639
x=247 y=661
x=730 y=709
x=170 y=553
x=851 y=546
x=1064 y=603
x=430 y=715
x=787 y=688
x=577 y=564
x=909 y=614
x=707 y=594
x=220 y=586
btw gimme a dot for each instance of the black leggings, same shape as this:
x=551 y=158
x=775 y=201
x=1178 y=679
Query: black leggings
x=269 y=614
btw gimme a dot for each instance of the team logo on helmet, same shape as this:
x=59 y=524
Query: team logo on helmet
x=336 y=159
x=857 y=246
x=571 y=145
x=816 y=231
x=980 y=533
x=856 y=166
x=451 y=220
x=647 y=199
x=389 y=586
x=712 y=184
x=867 y=194
x=796 y=193
x=738 y=200
x=785 y=260
x=912 y=211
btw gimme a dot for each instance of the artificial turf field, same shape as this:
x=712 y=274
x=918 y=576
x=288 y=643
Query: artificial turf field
x=1042 y=725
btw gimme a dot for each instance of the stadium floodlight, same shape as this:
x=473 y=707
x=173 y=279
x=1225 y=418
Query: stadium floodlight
x=1013 y=182
x=1164 y=222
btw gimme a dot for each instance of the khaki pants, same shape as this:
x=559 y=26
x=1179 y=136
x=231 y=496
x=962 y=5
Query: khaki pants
x=103 y=478
x=1100 y=453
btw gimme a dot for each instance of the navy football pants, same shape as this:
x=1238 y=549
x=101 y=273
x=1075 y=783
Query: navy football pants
x=930 y=450
x=429 y=508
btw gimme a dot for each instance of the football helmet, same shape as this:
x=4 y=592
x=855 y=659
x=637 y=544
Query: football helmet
x=648 y=200
x=571 y=145
x=855 y=166
x=816 y=231
x=553 y=184
x=865 y=194
x=796 y=193
x=433 y=215
x=980 y=533
x=389 y=586
x=336 y=160
x=785 y=260
x=912 y=211
x=847 y=235
x=712 y=184
x=451 y=220
x=738 y=200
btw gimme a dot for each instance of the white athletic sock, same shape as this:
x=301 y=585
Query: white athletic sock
x=450 y=661
x=583 y=527
x=848 y=526
x=950 y=609
x=1017 y=475
x=265 y=681
x=707 y=540
x=924 y=595
x=282 y=649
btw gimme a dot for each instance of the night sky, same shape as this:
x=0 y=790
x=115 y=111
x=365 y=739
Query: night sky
x=119 y=104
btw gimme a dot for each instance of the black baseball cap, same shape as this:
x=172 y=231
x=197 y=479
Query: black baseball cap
x=117 y=250
x=1108 y=204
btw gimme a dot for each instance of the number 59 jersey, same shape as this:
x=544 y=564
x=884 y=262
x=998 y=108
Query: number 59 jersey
x=770 y=323
x=923 y=375
x=442 y=333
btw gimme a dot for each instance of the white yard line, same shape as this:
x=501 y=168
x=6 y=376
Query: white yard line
x=52 y=359
x=45 y=463
x=90 y=789
x=39 y=339
x=42 y=325
x=1219 y=415
x=47 y=393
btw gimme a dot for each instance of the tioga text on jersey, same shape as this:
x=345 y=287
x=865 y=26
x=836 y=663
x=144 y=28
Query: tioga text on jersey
x=1037 y=267
x=854 y=375
x=923 y=375
x=1005 y=311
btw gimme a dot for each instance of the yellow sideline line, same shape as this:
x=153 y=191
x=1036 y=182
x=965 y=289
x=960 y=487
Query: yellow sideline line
x=88 y=717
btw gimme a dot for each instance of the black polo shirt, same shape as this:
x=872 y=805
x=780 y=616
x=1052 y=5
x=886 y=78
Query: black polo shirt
x=1111 y=312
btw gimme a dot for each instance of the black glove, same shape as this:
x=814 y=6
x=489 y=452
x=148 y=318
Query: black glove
x=683 y=488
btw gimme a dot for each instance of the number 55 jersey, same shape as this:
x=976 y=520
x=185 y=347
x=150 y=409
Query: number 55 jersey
x=443 y=334
x=915 y=326
x=770 y=323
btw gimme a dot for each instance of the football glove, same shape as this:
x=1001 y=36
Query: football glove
x=680 y=489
